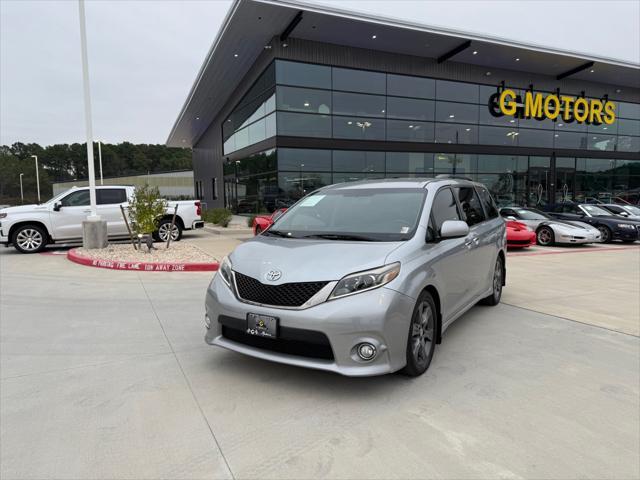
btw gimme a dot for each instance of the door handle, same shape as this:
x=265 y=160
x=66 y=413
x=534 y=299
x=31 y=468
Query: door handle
x=469 y=243
x=86 y=211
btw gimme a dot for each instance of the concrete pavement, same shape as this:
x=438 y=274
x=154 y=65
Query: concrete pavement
x=104 y=374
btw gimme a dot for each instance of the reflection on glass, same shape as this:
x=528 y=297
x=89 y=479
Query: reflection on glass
x=573 y=140
x=303 y=100
x=499 y=136
x=410 y=162
x=502 y=163
x=601 y=142
x=359 y=128
x=454 y=163
x=409 y=131
x=358 y=104
x=410 y=109
x=359 y=81
x=451 y=133
x=535 y=138
x=303 y=125
x=308 y=159
x=457 y=91
x=302 y=74
x=456 y=112
x=404 y=86
x=356 y=161
x=295 y=185
x=339 y=177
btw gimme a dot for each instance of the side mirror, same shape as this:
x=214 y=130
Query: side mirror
x=57 y=206
x=454 y=229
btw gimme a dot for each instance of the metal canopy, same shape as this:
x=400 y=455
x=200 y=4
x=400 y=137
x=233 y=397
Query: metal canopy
x=251 y=24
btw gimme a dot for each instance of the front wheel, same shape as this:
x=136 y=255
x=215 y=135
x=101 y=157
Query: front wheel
x=498 y=279
x=545 y=237
x=164 y=227
x=29 y=239
x=421 y=343
x=605 y=233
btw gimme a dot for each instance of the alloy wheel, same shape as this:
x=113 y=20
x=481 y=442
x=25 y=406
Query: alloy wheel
x=604 y=233
x=544 y=236
x=422 y=333
x=163 y=232
x=29 y=239
x=497 y=280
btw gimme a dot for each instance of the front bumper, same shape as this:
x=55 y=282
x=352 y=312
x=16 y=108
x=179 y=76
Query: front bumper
x=625 y=234
x=579 y=239
x=380 y=317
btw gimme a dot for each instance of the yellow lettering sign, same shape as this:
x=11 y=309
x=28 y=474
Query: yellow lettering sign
x=508 y=107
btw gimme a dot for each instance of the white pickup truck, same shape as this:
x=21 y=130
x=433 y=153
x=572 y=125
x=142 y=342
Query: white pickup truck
x=29 y=228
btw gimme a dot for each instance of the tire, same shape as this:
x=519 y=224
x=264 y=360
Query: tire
x=423 y=331
x=605 y=233
x=498 y=279
x=258 y=230
x=545 y=237
x=29 y=238
x=163 y=231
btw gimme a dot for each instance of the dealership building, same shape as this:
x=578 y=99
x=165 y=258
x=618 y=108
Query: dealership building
x=294 y=96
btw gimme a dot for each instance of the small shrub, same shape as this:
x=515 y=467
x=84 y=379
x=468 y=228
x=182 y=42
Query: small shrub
x=219 y=216
x=145 y=207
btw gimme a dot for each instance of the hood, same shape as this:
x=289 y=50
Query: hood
x=24 y=209
x=307 y=260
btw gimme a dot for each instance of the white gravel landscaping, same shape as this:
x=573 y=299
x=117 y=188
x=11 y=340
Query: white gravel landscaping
x=178 y=252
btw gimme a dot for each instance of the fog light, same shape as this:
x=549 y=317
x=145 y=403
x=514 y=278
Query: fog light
x=207 y=322
x=366 y=351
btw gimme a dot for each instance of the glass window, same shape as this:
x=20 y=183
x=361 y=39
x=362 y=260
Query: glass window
x=303 y=125
x=295 y=158
x=604 y=128
x=505 y=120
x=410 y=109
x=341 y=177
x=354 y=161
x=452 y=133
x=601 y=142
x=257 y=132
x=455 y=163
x=404 y=86
x=410 y=162
x=356 y=104
x=628 y=144
x=562 y=126
x=242 y=138
x=410 y=131
x=499 y=136
x=444 y=208
x=303 y=74
x=76 y=199
x=470 y=204
x=627 y=127
x=359 y=81
x=457 y=91
x=456 y=112
x=107 y=196
x=535 y=123
x=304 y=100
x=629 y=110
x=270 y=126
x=540 y=162
x=573 y=140
x=502 y=163
x=359 y=128
x=535 y=138
x=593 y=165
x=487 y=202
x=295 y=185
x=505 y=188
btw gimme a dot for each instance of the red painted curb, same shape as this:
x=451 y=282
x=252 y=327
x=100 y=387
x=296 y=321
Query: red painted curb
x=74 y=256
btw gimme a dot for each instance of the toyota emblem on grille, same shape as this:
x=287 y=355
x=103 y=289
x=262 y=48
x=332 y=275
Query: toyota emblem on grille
x=273 y=275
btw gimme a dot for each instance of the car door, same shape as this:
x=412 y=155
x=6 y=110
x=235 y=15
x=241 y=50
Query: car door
x=452 y=265
x=479 y=257
x=489 y=231
x=69 y=214
x=108 y=205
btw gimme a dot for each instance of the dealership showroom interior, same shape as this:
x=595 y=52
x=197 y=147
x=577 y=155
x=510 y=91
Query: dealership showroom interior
x=303 y=239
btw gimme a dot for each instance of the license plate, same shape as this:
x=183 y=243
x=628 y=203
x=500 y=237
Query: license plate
x=262 y=325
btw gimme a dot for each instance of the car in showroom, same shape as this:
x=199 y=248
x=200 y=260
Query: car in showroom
x=30 y=228
x=550 y=231
x=627 y=211
x=519 y=235
x=262 y=222
x=612 y=227
x=361 y=278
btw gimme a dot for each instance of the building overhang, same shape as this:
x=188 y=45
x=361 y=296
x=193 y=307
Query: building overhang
x=250 y=26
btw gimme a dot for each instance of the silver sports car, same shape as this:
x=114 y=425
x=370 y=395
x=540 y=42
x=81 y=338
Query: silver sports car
x=549 y=230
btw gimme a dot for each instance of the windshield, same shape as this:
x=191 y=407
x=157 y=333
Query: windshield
x=632 y=210
x=532 y=215
x=596 y=211
x=366 y=214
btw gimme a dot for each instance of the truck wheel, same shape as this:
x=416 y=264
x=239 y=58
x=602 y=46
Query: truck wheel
x=29 y=239
x=162 y=233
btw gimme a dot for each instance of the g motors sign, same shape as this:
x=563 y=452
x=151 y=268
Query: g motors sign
x=552 y=106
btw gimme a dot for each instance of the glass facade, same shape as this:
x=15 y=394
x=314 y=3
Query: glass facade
x=293 y=99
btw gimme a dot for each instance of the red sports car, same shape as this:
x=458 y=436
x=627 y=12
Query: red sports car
x=262 y=222
x=519 y=235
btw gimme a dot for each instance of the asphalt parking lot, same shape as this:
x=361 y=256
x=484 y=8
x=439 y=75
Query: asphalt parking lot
x=104 y=374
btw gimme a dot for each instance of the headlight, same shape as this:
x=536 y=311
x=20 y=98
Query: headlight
x=225 y=271
x=3 y=215
x=363 y=281
x=626 y=225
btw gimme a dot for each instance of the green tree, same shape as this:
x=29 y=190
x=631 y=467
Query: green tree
x=145 y=207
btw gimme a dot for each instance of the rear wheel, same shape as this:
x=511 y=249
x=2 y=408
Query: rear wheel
x=498 y=280
x=258 y=230
x=29 y=239
x=545 y=237
x=421 y=342
x=605 y=233
x=164 y=227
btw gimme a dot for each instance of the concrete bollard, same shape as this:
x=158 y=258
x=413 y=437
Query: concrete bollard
x=94 y=234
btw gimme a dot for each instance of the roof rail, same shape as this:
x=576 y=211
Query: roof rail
x=449 y=175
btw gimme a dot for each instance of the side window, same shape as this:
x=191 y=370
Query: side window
x=506 y=212
x=470 y=204
x=444 y=208
x=488 y=203
x=76 y=199
x=108 y=196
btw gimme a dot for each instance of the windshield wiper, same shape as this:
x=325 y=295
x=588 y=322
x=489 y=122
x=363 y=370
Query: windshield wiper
x=276 y=233
x=337 y=236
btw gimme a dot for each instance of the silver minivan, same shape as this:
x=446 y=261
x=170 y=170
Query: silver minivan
x=361 y=278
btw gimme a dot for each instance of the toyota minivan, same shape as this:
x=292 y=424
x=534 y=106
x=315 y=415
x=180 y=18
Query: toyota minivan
x=361 y=278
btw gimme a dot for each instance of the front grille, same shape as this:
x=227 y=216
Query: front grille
x=518 y=242
x=291 y=341
x=285 y=295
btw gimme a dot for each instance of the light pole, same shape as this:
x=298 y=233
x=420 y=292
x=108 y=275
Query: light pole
x=100 y=160
x=37 y=176
x=21 y=191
